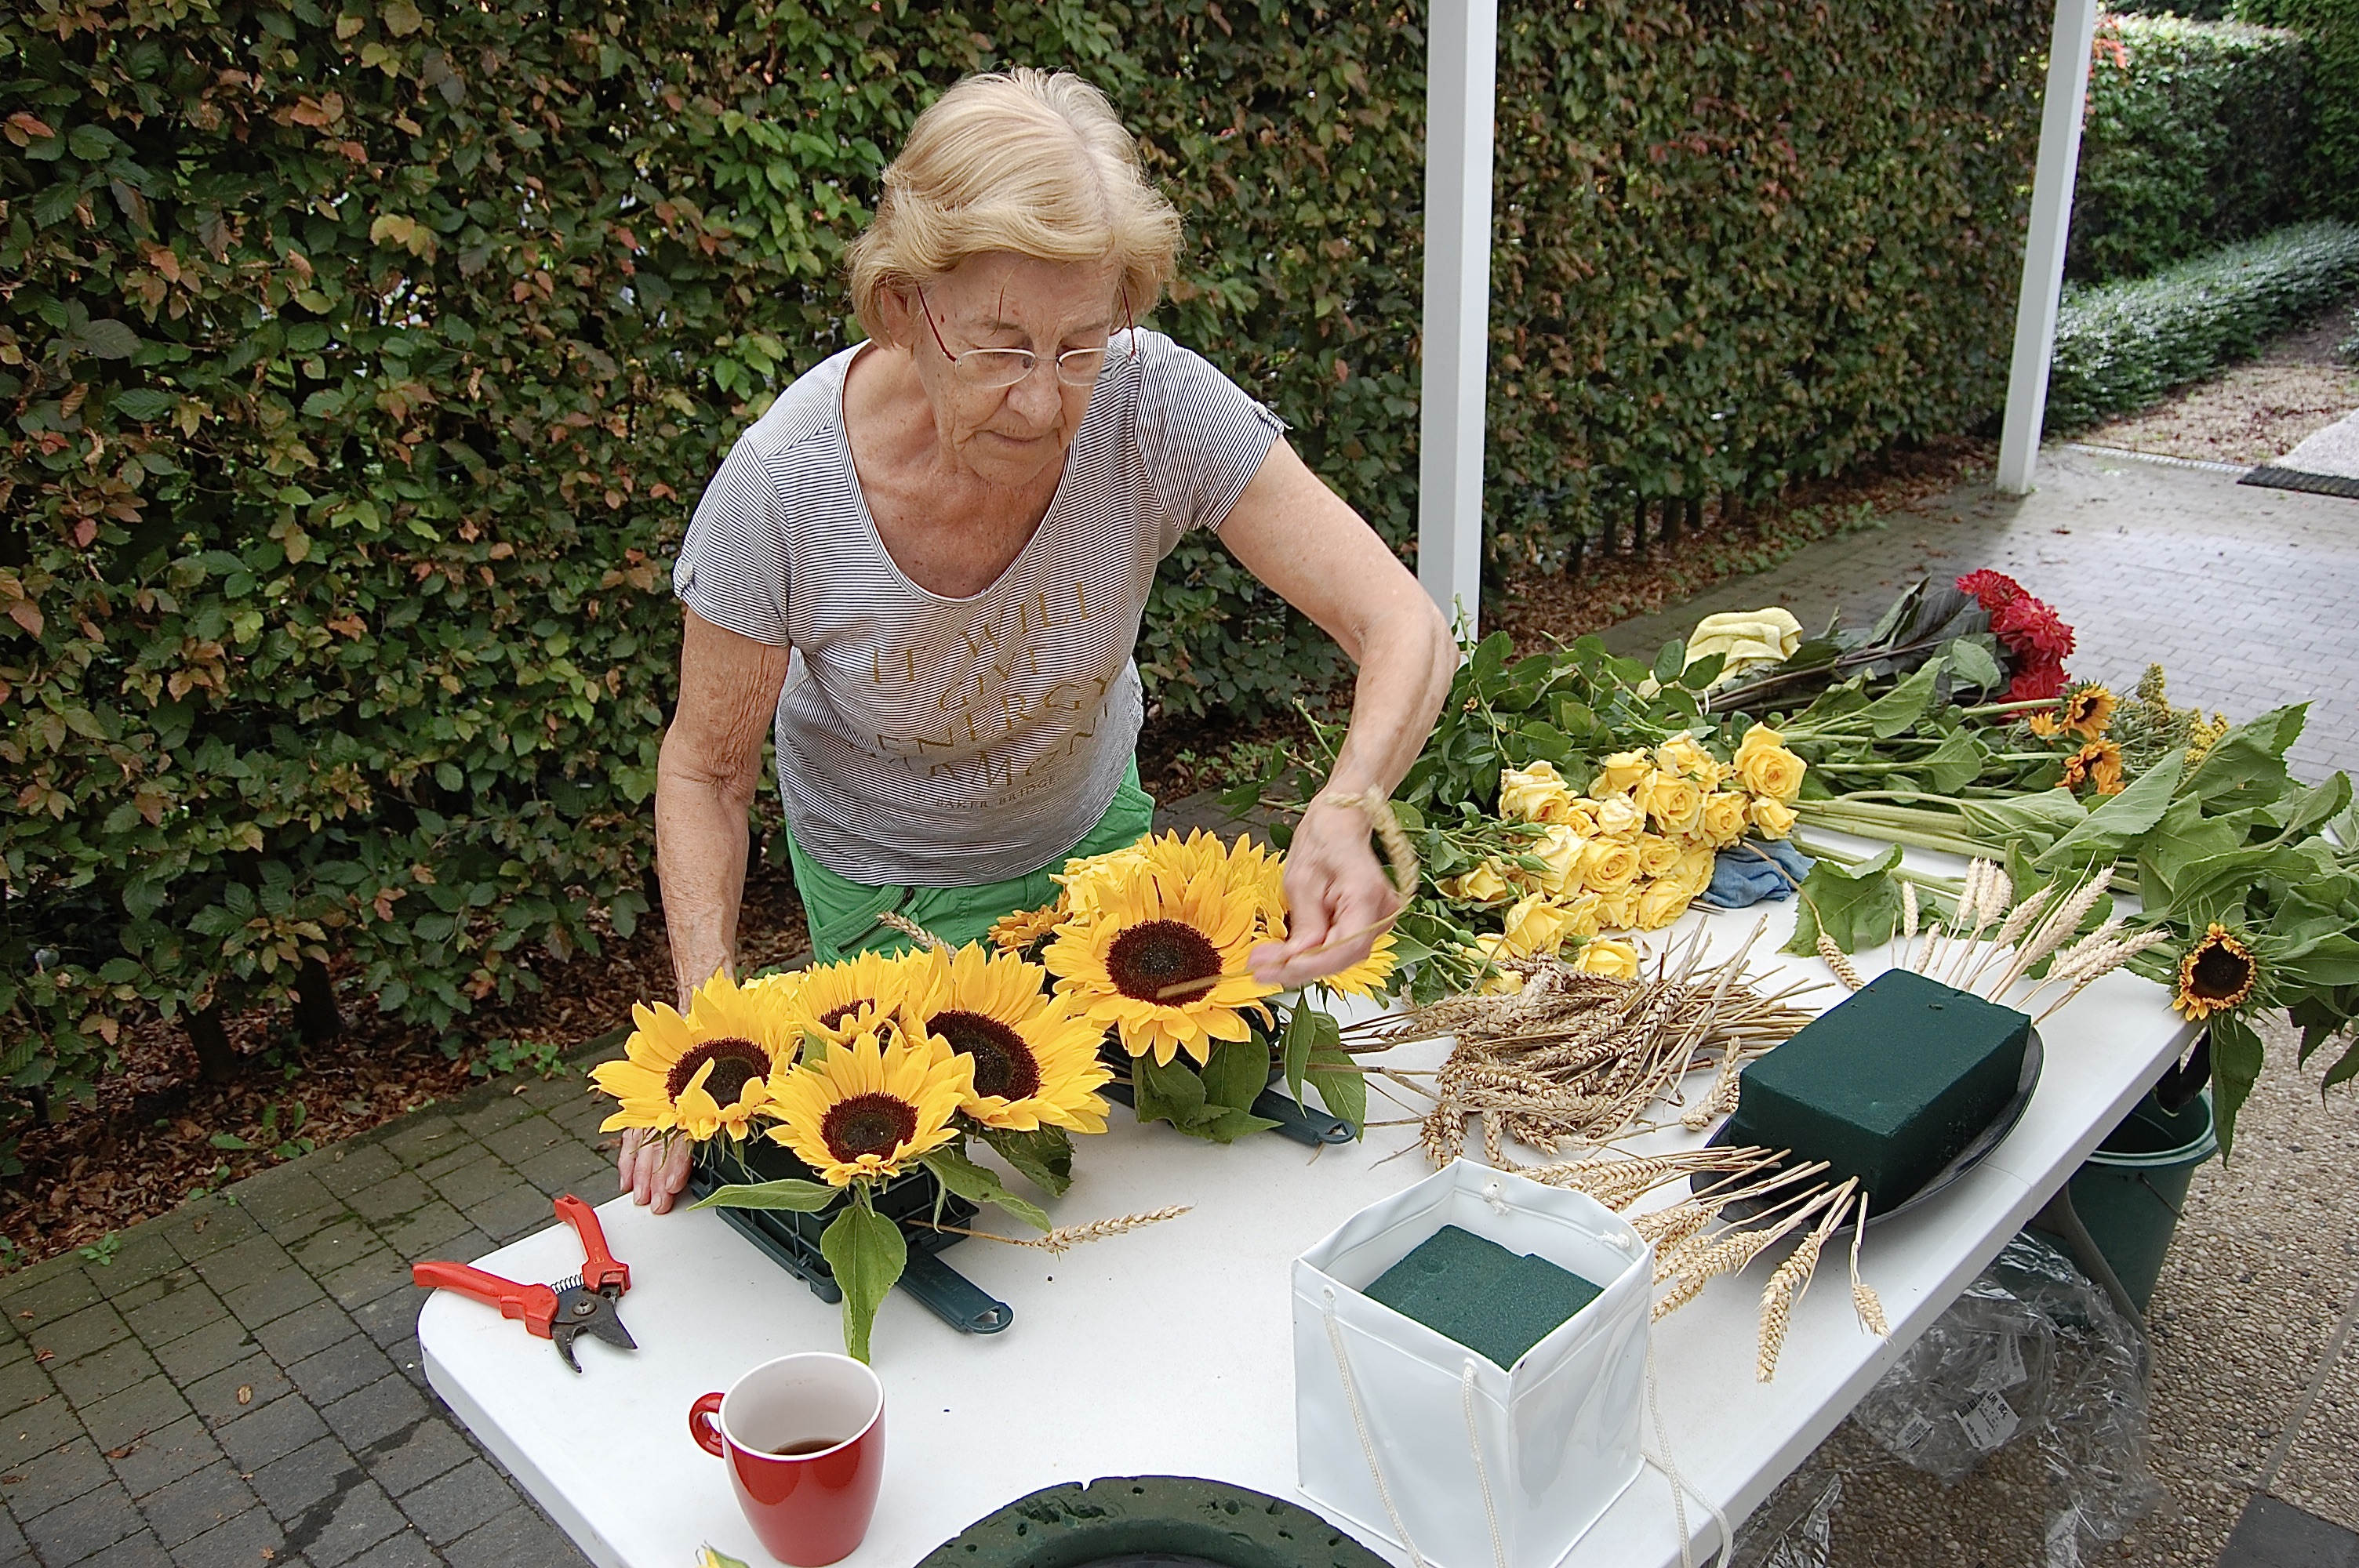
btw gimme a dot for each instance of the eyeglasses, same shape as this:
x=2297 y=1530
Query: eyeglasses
x=994 y=368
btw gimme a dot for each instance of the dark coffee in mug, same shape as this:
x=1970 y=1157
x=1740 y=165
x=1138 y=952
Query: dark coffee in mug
x=806 y=1445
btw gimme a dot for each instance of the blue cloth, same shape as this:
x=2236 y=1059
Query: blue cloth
x=1742 y=877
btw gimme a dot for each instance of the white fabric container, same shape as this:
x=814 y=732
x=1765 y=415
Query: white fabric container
x=1554 y=1438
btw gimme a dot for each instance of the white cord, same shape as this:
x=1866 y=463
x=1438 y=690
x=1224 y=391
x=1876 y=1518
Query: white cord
x=1482 y=1471
x=1368 y=1443
x=1679 y=1489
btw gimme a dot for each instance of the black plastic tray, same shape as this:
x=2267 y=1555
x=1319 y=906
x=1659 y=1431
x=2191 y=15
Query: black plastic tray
x=792 y=1240
x=1972 y=1155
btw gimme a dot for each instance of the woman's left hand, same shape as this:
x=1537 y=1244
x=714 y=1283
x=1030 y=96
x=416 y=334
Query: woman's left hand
x=1334 y=887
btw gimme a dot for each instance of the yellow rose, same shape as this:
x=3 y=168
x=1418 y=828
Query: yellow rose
x=1486 y=950
x=1560 y=850
x=1617 y=910
x=1694 y=872
x=1775 y=774
x=1660 y=902
x=1681 y=754
x=1607 y=957
x=1484 y=884
x=1619 y=817
x=1582 y=911
x=1775 y=818
x=1536 y=794
x=1617 y=773
x=1723 y=819
x=1608 y=866
x=1760 y=737
x=1672 y=800
x=1656 y=855
x=1579 y=817
x=1535 y=928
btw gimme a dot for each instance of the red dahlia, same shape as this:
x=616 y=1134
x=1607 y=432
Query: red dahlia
x=2036 y=679
x=1992 y=590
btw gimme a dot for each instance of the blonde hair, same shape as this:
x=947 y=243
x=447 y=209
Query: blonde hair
x=1024 y=161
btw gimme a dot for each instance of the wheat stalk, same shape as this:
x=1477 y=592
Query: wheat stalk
x=893 y=919
x=2059 y=924
x=1784 y=1291
x=1864 y=1299
x=1065 y=1237
x=1840 y=963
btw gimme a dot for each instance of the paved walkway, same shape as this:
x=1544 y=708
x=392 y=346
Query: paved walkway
x=239 y=1386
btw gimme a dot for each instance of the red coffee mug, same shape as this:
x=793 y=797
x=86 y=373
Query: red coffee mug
x=804 y=1436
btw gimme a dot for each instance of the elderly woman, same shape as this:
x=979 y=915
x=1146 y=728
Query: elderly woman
x=926 y=566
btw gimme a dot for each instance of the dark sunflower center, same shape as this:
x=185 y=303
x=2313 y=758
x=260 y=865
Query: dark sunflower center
x=867 y=1124
x=735 y=1064
x=1003 y=1062
x=834 y=1017
x=2221 y=973
x=1147 y=959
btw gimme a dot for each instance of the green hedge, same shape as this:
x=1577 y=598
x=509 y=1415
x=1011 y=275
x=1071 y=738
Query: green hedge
x=367 y=358
x=2196 y=134
x=2121 y=346
x=2330 y=27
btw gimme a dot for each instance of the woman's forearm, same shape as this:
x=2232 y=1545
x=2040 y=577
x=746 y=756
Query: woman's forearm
x=1406 y=660
x=701 y=836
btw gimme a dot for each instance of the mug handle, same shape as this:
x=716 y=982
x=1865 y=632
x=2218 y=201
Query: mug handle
x=703 y=1424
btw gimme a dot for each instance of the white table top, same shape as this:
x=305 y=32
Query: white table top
x=1170 y=1350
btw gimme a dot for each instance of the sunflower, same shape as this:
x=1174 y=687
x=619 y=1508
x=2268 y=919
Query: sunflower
x=2089 y=710
x=1034 y=1060
x=706 y=1072
x=2097 y=763
x=1020 y=932
x=2218 y=973
x=871 y=1106
x=844 y=998
x=1370 y=977
x=1157 y=929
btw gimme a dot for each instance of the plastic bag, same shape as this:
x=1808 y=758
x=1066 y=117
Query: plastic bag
x=1795 y=1528
x=2031 y=1351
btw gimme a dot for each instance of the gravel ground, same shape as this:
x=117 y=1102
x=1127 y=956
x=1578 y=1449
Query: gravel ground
x=2254 y=411
x=2253 y=1295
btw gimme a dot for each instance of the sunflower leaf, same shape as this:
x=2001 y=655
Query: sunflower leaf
x=1237 y=1073
x=2099 y=838
x=1167 y=1091
x=802 y=1198
x=1856 y=905
x=867 y=1253
x=1296 y=1045
x=1343 y=1087
x=970 y=1181
x=2235 y=1068
x=1044 y=1158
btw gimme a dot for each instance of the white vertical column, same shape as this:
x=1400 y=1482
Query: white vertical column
x=2074 y=35
x=1461 y=66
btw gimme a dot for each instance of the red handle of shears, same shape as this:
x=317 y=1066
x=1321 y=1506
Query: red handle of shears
x=535 y=1305
x=600 y=1268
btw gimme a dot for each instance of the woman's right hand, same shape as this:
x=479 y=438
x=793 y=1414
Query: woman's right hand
x=653 y=1169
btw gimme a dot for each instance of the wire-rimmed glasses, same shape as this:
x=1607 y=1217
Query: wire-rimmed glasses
x=995 y=368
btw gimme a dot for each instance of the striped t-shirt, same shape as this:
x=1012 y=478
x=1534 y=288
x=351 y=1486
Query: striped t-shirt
x=946 y=742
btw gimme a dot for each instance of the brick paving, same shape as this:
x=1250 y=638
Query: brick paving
x=240 y=1385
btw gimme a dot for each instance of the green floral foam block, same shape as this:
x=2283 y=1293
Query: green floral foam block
x=1888 y=1086
x=1496 y=1303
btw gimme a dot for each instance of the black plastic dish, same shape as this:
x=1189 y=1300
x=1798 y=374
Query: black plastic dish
x=1972 y=1155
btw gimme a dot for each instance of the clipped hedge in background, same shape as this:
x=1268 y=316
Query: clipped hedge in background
x=2330 y=27
x=2197 y=133
x=366 y=357
x=2121 y=346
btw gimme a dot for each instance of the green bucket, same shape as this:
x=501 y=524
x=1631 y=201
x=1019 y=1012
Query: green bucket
x=2132 y=1190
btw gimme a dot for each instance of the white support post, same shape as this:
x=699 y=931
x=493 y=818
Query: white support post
x=1461 y=66
x=2075 y=34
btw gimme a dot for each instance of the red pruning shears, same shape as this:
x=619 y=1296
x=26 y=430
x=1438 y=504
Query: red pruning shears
x=582 y=1304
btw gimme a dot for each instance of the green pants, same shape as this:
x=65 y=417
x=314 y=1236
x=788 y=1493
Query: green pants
x=843 y=913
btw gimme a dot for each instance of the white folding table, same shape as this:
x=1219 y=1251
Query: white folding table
x=1168 y=1351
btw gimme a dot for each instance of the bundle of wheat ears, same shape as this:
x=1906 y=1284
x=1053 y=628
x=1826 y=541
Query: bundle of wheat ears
x=1989 y=944
x=1577 y=1061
